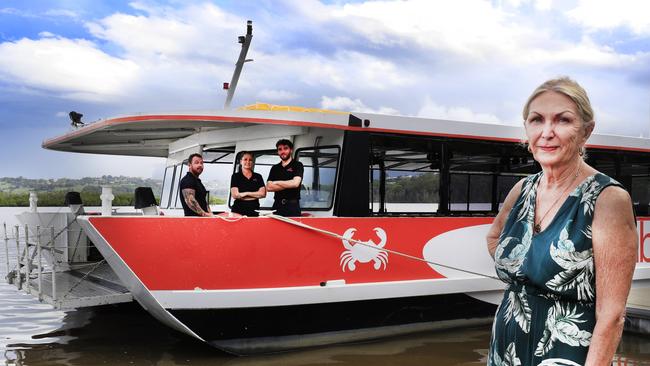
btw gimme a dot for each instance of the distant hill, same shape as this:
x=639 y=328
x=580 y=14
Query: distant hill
x=51 y=192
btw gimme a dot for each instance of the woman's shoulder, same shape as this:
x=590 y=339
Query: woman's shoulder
x=614 y=197
x=597 y=183
x=611 y=196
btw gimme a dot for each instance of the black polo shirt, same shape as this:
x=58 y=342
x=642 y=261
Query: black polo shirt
x=244 y=184
x=190 y=181
x=279 y=172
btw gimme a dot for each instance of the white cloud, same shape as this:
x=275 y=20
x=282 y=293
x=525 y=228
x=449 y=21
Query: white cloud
x=65 y=66
x=165 y=34
x=46 y=35
x=352 y=105
x=603 y=14
x=431 y=109
x=472 y=32
x=14 y=11
x=543 y=5
x=61 y=13
x=276 y=95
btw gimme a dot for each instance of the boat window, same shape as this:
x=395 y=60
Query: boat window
x=483 y=172
x=319 y=178
x=405 y=175
x=470 y=192
x=443 y=176
x=217 y=164
x=168 y=180
x=180 y=169
x=264 y=160
x=631 y=169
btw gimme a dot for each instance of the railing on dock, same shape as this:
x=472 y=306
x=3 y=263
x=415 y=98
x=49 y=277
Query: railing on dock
x=41 y=268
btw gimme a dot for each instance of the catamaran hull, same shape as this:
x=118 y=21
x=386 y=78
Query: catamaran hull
x=261 y=285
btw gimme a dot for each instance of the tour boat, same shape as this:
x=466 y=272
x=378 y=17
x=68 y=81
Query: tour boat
x=395 y=212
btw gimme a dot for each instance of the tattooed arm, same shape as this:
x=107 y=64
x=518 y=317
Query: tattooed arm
x=192 y=203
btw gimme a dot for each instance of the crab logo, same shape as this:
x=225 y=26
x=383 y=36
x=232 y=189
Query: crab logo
x=364 y=253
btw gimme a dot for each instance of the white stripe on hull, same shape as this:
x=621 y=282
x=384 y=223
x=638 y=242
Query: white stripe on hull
x=263 y=297
x=484 y=289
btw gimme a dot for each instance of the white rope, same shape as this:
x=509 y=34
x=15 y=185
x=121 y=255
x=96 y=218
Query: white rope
x=335 y=235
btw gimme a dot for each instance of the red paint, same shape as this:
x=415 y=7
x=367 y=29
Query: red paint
x=169 y=253
x=644 y=234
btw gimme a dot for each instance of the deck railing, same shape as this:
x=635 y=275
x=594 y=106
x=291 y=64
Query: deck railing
x=29 y=269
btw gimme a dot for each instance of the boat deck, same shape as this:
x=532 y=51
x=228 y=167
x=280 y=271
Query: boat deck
x=89 y=285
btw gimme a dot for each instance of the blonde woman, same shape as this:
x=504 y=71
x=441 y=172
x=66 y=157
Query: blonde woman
x=564 y=243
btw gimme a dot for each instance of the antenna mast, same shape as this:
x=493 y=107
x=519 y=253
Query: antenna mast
x=245 y=43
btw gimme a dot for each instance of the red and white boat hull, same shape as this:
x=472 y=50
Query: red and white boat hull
x=180 y=266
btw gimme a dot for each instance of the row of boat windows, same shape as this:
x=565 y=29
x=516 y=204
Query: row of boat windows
x=317 y=186
x=424 y=175
x=413 y=175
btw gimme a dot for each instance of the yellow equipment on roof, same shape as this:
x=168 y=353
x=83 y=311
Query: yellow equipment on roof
x=285 y=108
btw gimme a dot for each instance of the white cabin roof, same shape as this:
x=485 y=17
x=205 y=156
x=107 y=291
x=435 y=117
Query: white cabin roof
x=151 y=134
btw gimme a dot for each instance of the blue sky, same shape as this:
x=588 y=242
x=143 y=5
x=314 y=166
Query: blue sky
x=466 y=59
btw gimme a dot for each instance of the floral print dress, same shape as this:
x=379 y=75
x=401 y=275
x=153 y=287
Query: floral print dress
x=547 y=314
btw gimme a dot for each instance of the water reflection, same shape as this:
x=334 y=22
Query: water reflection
x=125 y=334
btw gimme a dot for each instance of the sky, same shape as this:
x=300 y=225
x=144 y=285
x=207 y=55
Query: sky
x=469 y=60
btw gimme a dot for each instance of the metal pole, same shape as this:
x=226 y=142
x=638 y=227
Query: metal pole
x=53 y=266
x=28 y=261
x=6 y=248
x=18 y=281
x=40 y=262
x=245 y=43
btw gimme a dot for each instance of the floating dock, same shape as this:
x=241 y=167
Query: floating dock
x=90 y=285
x=54 y=265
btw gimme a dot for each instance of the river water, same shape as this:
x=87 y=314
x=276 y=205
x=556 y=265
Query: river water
x=32 y=333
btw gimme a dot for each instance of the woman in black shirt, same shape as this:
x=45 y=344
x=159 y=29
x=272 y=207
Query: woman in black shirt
x=246 y=187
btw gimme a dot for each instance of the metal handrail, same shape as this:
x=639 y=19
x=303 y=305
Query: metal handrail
x=29 y=258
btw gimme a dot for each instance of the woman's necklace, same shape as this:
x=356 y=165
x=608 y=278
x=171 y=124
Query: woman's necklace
x=537 y=227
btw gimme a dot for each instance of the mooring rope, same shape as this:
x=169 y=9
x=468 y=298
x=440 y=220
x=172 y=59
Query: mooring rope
x=338 y=236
